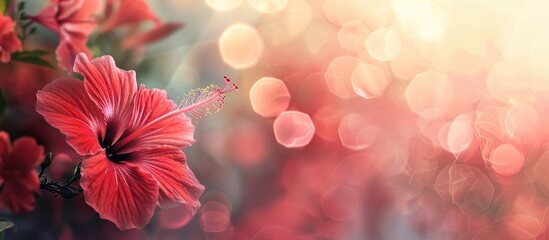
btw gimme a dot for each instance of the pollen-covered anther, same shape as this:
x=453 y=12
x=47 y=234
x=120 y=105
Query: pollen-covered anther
x=225 y=88
x=206 y=101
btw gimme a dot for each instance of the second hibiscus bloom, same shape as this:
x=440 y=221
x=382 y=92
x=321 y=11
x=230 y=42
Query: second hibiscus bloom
x=130 y=140
x=9 y=42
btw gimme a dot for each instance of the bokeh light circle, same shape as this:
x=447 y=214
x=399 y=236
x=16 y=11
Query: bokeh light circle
x=369 y=81
x=213 y=221
x=269 y=97
x=541 y=170
x=214 y=217
x=405 y=9
x=432 y=24
x=523 y=226
x=268 y=6
x=352 y=35
x=288 y=23
x=330 y=11
x=175 y=218
x=355 y=134
x=224 y=5
x=507 y=160
x=429 y=94
x=325 y=119
x=459 y=135
x=522 y=123
x=341 y=203
x=293 y=129
x=383 y=44
x=338 y=76
x=509 y=79
x=241 y=46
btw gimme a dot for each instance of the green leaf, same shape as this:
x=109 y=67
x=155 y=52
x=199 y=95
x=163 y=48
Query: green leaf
x=29 y=53
x=36 y=52
x=32 y=59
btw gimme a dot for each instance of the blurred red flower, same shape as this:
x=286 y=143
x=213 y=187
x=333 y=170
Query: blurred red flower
x=9 y=42
x=128 y=12
x=73 y=21
x=18 y=179
x=130 y=139
x=132 y=13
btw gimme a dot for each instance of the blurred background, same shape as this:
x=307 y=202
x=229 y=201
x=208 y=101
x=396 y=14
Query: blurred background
x=354 y=119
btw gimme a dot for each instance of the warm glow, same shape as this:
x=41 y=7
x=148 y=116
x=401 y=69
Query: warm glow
x=507 y=160
x=339 y=75
x=224 y=5
x=269 y=97
x=369 y=81
x=429 y=94
x=268 y=6
x=241 y=46
x=293 y=129
x=383 y=44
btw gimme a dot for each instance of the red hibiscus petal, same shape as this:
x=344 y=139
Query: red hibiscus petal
x=153 y=123
x=65 y=105
x=119 y=191
x=177 y=183
x=111 y=88
x=77 y=16
x=6 y=25
x=77 y=10
x=25 y=155
x=47 y=18
x=67 y=8
x=17 y=192
x=11 y=43
x=72 y=20
x=69 y=47
x=78 y=29
x=63 y=13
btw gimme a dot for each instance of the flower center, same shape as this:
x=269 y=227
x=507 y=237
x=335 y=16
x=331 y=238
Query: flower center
x=115 y=156
x=108 y=142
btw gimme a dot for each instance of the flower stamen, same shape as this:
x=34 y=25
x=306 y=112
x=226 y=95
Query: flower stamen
x=196 y=104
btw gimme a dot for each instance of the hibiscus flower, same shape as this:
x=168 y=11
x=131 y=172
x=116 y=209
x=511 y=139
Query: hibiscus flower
x=130 y=139
x=73 y=21
x=18 y=179
x=9 y=42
